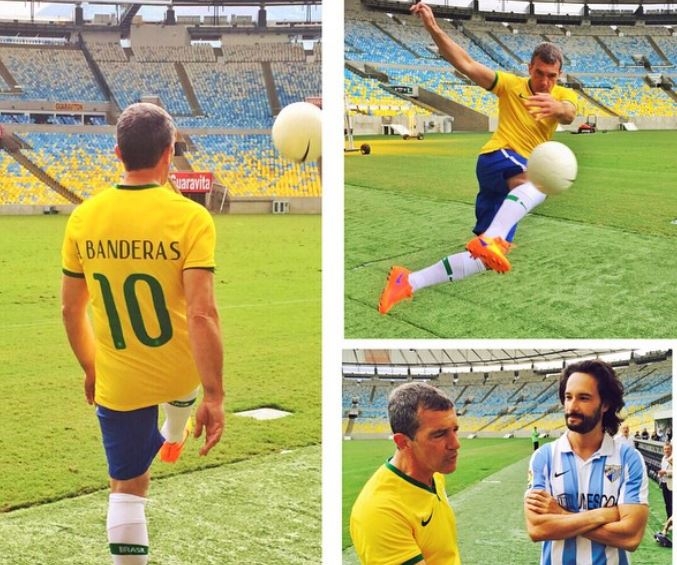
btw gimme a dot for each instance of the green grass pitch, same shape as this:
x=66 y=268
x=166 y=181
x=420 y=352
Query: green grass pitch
x=486 y=493
x=215 y=509
x=597 y=261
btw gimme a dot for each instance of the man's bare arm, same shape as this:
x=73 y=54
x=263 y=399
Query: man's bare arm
x=627 y=532
x=74 y=299
x=546 y=520
x=204 y=332
x=452 y=51
x=543 y=105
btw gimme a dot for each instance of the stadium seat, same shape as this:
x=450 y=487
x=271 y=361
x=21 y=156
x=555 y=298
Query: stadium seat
x=500 y=404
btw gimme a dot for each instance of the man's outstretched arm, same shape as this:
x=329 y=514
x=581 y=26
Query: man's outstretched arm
x=452 y=51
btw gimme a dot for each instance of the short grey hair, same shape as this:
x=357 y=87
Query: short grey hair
x=548 y=53
x=405 y=401
x=143 y=133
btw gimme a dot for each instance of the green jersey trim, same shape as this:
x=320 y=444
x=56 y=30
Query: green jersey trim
x=493 y=84
x=407 y=478
x=136 y=187
x=73 y=274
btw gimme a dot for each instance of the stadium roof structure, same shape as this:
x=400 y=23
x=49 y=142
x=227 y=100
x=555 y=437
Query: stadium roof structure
x=42 y=25
x=565 y=12
x=475 y=359
x=176 y=3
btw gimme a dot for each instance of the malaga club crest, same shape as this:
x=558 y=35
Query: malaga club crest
x=612 y=472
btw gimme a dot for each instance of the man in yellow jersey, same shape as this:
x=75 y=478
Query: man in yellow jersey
x=142 y=256
x=402 y=515
x=529 y=111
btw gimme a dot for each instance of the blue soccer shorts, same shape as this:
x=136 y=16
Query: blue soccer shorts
x=131 y=440
x=493 y=171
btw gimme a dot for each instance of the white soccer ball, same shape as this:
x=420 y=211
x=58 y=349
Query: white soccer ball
x=297 y=132
x=552 y=167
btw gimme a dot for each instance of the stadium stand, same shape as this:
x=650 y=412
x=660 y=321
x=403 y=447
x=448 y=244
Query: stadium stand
x=293 y=80
x=504 y=403
x=223 y=95
x=19 y=186
x=81 y=161
x=373 y=45
x=107 y=52
x=260 y=52
x=248 y=166
x=183 y=53
x=365 y=95
x=47 y=73
x=131 y=81
x=241 y=100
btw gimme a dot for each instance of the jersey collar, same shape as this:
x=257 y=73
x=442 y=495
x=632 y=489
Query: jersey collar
x=136 y=187
x=531 y=90
x=428 y=488
x=606 y=449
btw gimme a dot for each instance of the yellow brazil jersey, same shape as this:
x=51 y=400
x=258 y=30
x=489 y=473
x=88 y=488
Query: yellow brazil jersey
x=132 y=244
x=517 y=128
x=396 y=520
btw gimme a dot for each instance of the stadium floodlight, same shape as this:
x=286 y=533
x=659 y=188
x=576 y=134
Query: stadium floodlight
x=391 y=370
x=424 y=370
x=358 y=370
x=517 y=366
x=456 y=369
x=611 y=358
x=486 y=368
x=545 y=366
x=568 y=362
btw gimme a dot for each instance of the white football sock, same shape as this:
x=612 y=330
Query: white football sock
x=451 y=268
x=517 y=204
x=177 y=413
x=127 y=530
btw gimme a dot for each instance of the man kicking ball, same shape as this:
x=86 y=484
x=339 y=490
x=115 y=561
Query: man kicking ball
x=529 y=111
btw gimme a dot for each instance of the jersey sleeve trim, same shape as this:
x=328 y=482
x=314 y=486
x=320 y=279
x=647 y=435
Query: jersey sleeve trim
x=212 y=269
x=413 y=560
x=73 y=274
x=493 y=84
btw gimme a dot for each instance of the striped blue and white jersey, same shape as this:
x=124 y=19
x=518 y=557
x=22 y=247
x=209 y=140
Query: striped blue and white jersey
x=615 y=474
